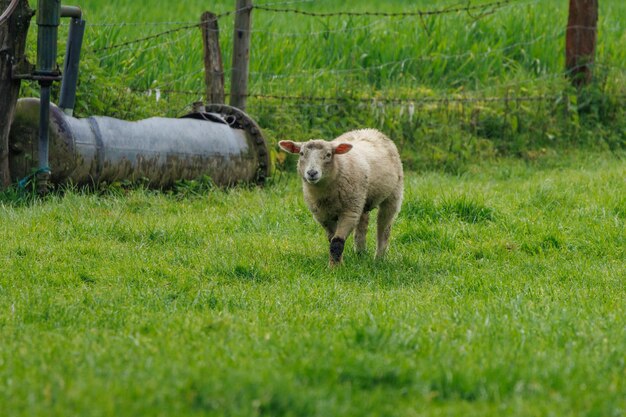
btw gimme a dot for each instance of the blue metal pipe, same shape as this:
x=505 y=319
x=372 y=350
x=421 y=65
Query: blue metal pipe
x=44 y=122
x=67 y=99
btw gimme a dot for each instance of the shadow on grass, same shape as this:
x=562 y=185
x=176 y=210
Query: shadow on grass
x=396 y=270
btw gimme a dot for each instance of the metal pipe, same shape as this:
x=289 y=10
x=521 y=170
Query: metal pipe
x=8 y=11
x=221 y=142
x=67 y=99
x=44 y=121
x=71 y=11
x=42 y=175
x=48 y=19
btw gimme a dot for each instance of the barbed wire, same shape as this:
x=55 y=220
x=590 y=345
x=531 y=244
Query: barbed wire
x=368 y=26
x=405 y=100
x=486 y=94
x=419 y=13
x=459 y=98
x=165 y=33
x=192 y=25
x=283 y=3
x=543 y=82
x=491 y=93
x=464 y=107
x=149 y=48
x=168 y=88
x=185 y=23
x=144 y=39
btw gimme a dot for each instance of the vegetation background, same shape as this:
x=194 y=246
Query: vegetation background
x=503 y=292
x=429 y=82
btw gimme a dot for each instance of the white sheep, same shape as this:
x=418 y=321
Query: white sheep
x=344 y=179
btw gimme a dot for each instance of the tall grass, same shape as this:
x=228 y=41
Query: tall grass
x=300 y=54
x=518 y=50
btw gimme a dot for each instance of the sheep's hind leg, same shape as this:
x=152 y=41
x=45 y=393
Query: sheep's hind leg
x=345 y=226
x=386 y=215
x=360 y=233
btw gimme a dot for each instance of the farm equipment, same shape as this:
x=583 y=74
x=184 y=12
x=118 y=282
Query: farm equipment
x=48 y=144
x=217 y=141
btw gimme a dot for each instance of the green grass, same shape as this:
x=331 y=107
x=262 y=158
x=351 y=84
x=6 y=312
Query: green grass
x=516 y=51
x=293 y=53
x=503 y=290
x=503 y=294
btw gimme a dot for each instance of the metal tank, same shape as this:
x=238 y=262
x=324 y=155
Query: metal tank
x=218 y=141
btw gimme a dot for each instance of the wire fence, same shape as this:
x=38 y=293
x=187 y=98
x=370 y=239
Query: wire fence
x=537 y=91
x=483 y=9
x=512 y=94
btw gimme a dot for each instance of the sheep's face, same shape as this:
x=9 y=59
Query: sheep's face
x=316 y=157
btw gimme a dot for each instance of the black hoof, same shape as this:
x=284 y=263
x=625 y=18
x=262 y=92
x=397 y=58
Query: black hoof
x=336 y=249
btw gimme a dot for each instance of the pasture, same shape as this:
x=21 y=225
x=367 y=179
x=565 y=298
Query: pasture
x=503 y=290
x=503 y=294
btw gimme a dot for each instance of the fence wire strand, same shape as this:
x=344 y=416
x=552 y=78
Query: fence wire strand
x=419 y=13
x=485 y=7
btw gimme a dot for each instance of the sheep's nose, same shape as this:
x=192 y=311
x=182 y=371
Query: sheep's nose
x=312 y=173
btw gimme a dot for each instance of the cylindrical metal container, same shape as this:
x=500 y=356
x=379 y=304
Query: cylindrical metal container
x=221 y=142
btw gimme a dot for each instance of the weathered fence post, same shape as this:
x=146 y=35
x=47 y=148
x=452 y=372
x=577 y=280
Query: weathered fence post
x=213 y=67
x=580 y=41
x=13 y=32
x=241 y=55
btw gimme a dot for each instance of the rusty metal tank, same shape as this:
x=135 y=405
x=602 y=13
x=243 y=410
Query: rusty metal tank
x=217 y=141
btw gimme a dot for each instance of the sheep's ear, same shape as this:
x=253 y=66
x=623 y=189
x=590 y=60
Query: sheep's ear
x=290 y=146
x=342 y=148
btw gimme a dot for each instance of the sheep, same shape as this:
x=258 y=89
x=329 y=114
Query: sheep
x=344 y=179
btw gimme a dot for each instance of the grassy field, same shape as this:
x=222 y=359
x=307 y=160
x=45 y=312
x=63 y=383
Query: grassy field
x=503 y=294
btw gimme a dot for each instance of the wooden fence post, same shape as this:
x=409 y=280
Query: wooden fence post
x=580 y=41
x=12 y=45
x=241 y=55
x=213 y=67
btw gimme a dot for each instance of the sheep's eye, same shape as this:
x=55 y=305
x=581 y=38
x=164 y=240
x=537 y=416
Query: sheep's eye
x=301 y=153
x=328 y=155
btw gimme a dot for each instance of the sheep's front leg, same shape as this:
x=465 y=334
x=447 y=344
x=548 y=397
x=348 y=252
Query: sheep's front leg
x=345 y=225
x=329 y=227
